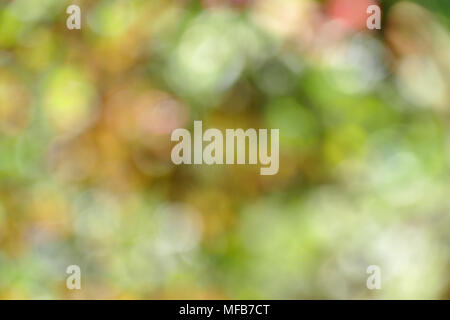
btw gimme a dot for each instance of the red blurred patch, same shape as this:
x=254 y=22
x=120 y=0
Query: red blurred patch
x=352 y=13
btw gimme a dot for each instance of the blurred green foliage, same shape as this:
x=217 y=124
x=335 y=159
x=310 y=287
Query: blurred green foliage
x=85 y=170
